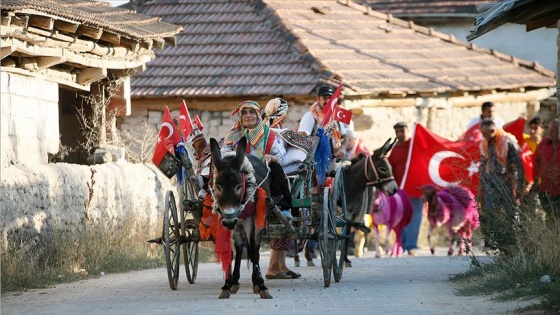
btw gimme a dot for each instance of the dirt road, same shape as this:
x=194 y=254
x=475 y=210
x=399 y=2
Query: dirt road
x=408 y=285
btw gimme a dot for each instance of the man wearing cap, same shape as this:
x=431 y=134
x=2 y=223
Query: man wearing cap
x=397 y=159
x=311 y=120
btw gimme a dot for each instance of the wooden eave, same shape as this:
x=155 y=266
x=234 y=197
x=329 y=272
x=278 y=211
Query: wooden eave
x=68 y=52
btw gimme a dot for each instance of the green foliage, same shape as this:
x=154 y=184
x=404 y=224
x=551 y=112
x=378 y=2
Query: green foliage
x=517 y=274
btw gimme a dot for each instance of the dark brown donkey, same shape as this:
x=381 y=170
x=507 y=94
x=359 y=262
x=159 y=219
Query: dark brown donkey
x=228 y=192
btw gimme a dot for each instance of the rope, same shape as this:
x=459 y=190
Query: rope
x=241 y=207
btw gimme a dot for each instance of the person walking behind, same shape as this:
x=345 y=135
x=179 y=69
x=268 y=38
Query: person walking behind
x=547 y=171
x=501 y=186
x=397 y=159
x=486 y=112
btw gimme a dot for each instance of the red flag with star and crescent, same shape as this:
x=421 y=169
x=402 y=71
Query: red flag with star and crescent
x=441 y=162
x=328 y=110
x=185 y=122
x=168 y=137
x=516 y=128
x=342 y=115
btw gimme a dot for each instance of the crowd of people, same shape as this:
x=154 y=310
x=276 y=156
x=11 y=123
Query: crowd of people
x=502 y=181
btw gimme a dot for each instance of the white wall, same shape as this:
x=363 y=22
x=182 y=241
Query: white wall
x=29 y=120
x=512 y=39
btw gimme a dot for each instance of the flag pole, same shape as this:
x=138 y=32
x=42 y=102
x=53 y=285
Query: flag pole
x=408 y=157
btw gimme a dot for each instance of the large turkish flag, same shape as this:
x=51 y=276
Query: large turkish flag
x=516 y=128
x=168 y=137
x=441 y=162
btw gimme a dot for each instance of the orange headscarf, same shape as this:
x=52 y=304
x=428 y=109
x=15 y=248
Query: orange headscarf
x=502 y=139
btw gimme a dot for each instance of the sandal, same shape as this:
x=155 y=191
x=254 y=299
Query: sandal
x=293 y=274
x=280 y=275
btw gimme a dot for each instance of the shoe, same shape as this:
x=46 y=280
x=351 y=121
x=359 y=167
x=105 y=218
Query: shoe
x=280 y=275
x=293 y=274
x=412 y=252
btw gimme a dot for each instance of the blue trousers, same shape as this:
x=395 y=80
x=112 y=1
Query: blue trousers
x=410 y=232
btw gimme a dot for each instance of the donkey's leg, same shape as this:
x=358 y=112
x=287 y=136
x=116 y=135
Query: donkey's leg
x=387 y=241
x=237 y=267
x=253 y=253
x=398 y=247
x=359 y=242
x=377 y=249
x=450 y=239
x=430 y=243
x=225 y=293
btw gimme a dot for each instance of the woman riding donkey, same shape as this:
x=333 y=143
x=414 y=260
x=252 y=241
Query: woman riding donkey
x=263 y=143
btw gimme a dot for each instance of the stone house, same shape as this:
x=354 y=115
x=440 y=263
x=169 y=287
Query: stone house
x=392 y=70
x=544 y=14
x=55 y=52
x=457 y=17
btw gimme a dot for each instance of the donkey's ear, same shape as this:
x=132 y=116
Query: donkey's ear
x=388 y=146
x=216 y=154
x=240 y=153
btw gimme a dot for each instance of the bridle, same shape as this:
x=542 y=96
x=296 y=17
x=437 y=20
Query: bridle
x=239 y=211
x=377 y=180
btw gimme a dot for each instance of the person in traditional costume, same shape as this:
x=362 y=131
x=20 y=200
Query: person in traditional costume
x=263 y=142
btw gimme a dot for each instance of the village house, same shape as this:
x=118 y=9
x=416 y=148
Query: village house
x=54 y=53
x=58 y=52
x=392 y=70
x=535 y=16
x=457 y=17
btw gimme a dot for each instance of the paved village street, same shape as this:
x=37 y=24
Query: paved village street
x=408 y=285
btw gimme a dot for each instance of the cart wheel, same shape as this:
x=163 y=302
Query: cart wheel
x=339 y=197
x=328 y=240
x=191 y=235
x=190 y=250
x=171 y=239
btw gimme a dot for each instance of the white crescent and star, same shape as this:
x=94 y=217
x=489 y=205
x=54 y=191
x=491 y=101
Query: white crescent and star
x=168 y=126
x=182 y=117
x=338 y=115
x=435 y=162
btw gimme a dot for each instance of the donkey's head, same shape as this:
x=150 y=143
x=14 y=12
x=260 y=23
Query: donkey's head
x=228 y=187
x=381 y=173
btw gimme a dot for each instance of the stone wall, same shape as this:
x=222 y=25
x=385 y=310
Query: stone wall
x=29 y=126
x=37 y=200
x=374 y=125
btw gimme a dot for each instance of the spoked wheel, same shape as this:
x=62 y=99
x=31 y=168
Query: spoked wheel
x=339 y=198
x=171 y=239
x=191 y=235
x=328 y=240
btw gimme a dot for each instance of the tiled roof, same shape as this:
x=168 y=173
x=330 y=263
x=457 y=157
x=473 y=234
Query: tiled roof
x=244 y=47
x=402 y=8
x=100 y=15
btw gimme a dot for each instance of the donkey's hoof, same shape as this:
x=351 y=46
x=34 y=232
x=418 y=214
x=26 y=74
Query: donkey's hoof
x=433 y=251
x=296 y=264
x=255 y=289
x=224 y=295
x=310 y=263
x=265 y=294
x=378 y=255
x=234 y=288
x=348 y=264
x=450 y=253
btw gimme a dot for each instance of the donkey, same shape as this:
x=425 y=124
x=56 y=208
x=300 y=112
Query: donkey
x=454 y=207
x=228 y=191
x=364 y=175
x=395 y=212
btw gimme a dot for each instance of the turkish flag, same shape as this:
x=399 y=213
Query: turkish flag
x=198 y=122
x=473 y=134
x=342 y=115
x=185 y=122
x=441 y=162
x=331 y=104
x=517 y=128
x=168 y=137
